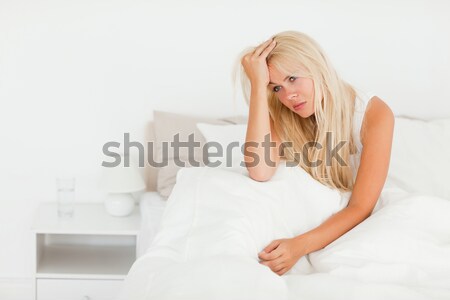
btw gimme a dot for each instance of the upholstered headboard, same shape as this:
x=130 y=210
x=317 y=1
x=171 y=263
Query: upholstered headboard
x=151 y=173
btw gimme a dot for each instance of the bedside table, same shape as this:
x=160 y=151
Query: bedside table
x=85 y=257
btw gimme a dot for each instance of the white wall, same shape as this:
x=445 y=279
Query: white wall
x=76 y=74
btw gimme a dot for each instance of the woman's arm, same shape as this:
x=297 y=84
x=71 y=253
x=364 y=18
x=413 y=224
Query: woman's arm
x=261 y=164
x=376 y=135
x=260 y=125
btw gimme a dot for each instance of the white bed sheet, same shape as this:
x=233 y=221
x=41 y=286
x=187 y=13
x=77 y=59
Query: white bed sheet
x=324 y=286
x=151 y=207
x=206 y=249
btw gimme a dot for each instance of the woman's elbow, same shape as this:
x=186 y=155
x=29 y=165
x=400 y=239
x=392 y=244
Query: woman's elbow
x=260 y=176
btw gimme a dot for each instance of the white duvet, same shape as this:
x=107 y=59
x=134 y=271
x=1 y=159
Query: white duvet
x=217 y=220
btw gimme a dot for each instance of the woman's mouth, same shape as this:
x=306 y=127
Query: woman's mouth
x=299 y=106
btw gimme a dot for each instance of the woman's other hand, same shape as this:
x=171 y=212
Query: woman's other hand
x=255 y=64
x=281 y=255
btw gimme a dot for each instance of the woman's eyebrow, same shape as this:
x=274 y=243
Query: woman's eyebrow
x=283 y=79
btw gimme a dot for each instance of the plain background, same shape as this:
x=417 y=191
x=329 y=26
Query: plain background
x=77 y=74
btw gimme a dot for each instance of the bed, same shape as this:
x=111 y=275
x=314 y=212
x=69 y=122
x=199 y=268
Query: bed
x=151 y=208
x=402 y=251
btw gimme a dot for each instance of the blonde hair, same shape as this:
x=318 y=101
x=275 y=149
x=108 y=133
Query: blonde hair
x=334 y=102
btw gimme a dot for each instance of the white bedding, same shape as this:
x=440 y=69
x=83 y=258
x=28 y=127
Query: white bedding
x=151 y=207
x=217 y=220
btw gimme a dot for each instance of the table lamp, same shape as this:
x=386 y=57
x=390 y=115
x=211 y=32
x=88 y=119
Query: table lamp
x=120 y=182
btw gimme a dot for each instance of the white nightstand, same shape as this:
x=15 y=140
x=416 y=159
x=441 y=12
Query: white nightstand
x=85 y=257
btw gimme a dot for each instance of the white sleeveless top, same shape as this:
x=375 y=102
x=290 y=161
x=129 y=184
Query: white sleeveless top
x=362 y=99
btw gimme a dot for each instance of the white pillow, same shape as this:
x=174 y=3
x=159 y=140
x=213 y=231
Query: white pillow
x=222 y=136
x=420 y=159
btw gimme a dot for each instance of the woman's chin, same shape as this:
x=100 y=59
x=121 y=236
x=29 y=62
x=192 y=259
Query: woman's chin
x=304 y=115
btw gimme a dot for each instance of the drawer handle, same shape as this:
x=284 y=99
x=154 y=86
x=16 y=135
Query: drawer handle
x=86 y=298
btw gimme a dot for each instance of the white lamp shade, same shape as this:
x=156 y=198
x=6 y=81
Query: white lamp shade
x=122 y=179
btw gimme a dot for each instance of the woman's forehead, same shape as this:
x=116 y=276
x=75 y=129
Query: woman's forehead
x=282 y=70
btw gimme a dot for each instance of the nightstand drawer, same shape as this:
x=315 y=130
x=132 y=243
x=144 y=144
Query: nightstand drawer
x=71 y=289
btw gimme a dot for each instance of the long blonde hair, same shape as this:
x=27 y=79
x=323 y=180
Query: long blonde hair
x=332 y=121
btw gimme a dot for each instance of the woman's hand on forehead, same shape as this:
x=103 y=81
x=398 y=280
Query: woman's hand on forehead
x=255 y=64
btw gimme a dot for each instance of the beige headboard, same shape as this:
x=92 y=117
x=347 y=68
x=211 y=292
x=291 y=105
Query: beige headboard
x=150 y=172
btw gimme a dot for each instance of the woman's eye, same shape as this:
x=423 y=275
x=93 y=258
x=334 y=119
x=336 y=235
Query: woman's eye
x=276 y=89
x=292 y=78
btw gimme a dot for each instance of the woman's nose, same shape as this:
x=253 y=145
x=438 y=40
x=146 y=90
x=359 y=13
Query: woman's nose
x=291 y=95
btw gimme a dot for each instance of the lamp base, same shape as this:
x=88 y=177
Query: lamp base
x=119 y=205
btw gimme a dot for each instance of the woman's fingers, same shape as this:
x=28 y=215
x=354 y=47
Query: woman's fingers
x=275 y=265
x=269 y=48
x=278 y=268
x=272 y=246
x=270 y=255
x=272 y=251
x=255 y=65
x=262 y=47
x=282 y=271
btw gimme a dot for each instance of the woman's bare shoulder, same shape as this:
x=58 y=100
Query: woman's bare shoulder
x=378 y=116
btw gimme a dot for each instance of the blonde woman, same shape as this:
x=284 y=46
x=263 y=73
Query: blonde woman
x=295 y=96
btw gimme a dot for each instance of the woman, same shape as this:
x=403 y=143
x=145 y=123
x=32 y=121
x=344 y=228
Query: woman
x=296 y=96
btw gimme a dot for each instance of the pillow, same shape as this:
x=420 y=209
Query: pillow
x=420 y=156
x=224 y=143
x=166 y=126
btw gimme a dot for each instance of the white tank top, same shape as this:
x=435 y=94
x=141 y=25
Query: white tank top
x=362 y=99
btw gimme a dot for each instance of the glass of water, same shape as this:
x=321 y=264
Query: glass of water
x=65 y=196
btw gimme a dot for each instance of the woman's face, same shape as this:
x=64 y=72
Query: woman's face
x=295 y=92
